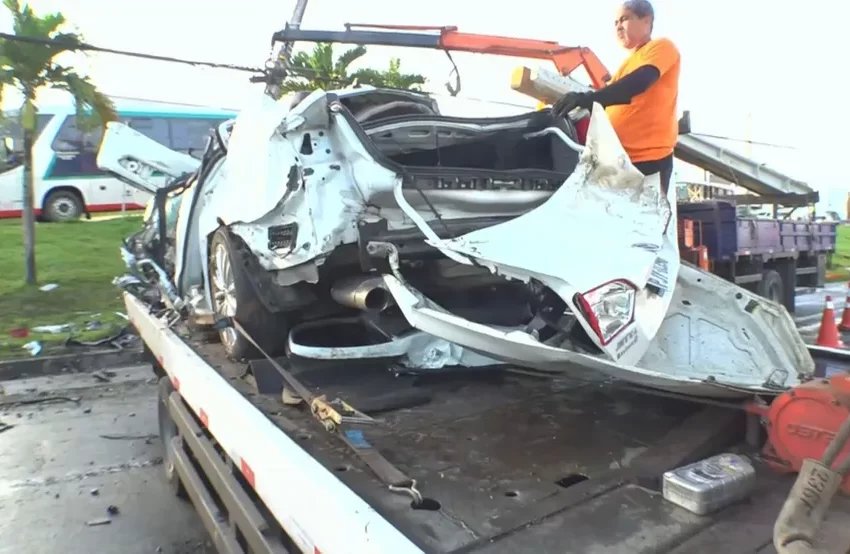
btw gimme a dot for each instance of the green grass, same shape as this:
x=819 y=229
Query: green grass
x=82 y=257
x=839 y=269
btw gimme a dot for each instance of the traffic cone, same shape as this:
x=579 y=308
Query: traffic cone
x=845 y=315
x=828 y=333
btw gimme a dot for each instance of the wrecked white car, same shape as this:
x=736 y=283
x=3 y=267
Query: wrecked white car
x=364 y=224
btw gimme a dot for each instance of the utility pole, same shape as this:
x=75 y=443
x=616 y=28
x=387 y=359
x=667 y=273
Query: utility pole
x=276 y=65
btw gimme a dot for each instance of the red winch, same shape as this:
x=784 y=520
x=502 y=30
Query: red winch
x=805 y=422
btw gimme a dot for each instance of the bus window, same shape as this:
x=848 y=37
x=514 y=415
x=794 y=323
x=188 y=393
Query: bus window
x=154 y=128
x=72 y=140
x=190 y=135
x=12 y=149
x=11 y=127
x=76 y=151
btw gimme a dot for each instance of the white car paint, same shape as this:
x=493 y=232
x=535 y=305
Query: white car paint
x=623 y=220
x=605 y=223
x=139 y=161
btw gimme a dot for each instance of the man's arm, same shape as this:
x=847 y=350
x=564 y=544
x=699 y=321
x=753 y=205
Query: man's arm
x=626 y=88
x=656 y=59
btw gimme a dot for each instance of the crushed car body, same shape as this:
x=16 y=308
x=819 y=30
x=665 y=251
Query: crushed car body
x=363 y=224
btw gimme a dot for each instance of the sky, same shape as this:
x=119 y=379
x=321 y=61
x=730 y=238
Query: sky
x=754 y=69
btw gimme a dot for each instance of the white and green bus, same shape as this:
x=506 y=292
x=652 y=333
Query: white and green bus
x=68 y=182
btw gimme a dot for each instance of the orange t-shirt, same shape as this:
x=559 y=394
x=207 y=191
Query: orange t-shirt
x=648 y=127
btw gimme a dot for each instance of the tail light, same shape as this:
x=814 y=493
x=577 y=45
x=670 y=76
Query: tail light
x=609 y=308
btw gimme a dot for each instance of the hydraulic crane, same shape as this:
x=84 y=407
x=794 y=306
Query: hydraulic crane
x=567 y=59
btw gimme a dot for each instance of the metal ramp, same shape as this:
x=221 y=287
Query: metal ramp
x=737 y=168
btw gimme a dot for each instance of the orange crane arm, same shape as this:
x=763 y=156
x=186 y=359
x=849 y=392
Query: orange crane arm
x=566 y=58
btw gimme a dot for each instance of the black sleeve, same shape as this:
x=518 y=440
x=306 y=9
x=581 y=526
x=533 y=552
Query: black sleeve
x=623 y=90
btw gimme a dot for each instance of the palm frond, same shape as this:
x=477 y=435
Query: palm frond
x=7 y=79
x=92 y=106
x=347 y=58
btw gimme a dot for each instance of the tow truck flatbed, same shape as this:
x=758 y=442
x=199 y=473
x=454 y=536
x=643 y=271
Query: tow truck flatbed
x=508 y=462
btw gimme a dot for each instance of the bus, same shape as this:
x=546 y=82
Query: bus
x=67 y=180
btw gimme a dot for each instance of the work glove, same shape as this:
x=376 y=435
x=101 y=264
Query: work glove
x=571 y=101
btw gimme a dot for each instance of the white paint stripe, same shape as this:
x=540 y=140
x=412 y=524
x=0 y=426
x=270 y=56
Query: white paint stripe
x=309 y=501
x=814 y=326
x=816 y=301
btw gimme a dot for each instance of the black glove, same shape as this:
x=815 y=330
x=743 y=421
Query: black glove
x=571 y=101
x=539 y=120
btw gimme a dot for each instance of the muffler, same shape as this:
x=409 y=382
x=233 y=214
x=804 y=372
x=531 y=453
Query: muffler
x=364 y=292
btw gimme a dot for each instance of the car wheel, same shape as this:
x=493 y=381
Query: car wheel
x=233 y=296
x=62 y=205
x=167 y=432
x=770 y=286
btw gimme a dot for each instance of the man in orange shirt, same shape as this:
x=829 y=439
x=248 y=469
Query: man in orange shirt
x=640 y=100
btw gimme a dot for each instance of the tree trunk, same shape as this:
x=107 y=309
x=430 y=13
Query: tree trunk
x=29 y=203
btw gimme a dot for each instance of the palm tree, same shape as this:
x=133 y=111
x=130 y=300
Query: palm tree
x=391 y=78
x=319 y=70
x=28 y=65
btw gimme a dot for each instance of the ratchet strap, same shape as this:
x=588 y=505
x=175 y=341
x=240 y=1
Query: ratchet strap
x=335 y=416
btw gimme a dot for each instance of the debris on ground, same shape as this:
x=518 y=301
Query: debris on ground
x=94 y=492
x=41 y=400
x=34 y=348
x=52 y=329
x=126 y=281
x=48 y=287
x=103 y=376
x=120 y=340
x=19 y=333
x=128 y=437
x=99 y=521
x=112 y=510
x=94 y=325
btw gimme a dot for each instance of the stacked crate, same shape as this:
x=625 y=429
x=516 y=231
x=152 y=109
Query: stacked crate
x=690 y=249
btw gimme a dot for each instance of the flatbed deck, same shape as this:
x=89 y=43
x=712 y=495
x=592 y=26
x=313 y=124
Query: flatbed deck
x=515 y=463
x=508 y=462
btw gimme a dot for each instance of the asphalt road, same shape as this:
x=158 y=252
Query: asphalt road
x=810 y=305
x=67 y=460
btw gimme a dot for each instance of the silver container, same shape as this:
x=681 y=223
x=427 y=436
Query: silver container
x=711 y=484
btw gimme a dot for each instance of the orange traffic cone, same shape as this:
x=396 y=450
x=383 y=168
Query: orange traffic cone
x=845 y=315
x=828 y=333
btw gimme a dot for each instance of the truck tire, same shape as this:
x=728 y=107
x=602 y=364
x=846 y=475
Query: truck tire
x=238 y=299
x=167 y=432
x=62 y=205
x=771 y=286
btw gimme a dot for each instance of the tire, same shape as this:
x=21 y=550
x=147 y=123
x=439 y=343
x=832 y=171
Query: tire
x=62 y=205
x=771 y=286
x=267 y=329
x=167 y=432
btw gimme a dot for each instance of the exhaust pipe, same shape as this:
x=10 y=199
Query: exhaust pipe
x=363 y=292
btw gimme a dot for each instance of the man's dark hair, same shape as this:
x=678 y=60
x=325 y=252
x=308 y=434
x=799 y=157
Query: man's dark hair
x=641 y=8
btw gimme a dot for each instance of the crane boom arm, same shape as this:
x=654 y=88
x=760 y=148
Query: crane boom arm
x=566 y=58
